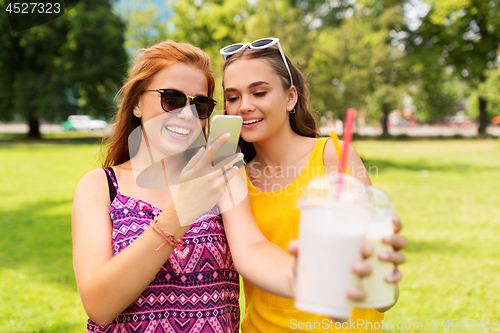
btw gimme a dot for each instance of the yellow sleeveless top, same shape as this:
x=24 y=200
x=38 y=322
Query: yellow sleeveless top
x=278 y=219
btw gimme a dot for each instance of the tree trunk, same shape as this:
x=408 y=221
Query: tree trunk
x=385 y=118
x=34 y=124
x=483 y=117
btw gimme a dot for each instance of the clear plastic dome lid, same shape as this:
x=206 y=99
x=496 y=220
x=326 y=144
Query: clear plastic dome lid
x=332 y=188
x=378 y=198
x=381 y=203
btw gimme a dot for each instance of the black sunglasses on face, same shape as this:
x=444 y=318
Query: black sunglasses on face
x=174 y=101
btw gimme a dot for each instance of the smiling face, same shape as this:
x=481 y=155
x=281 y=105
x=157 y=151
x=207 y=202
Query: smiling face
x=171 y=133
x=255 y=92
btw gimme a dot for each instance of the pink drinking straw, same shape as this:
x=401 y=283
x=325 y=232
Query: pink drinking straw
x=349 y=121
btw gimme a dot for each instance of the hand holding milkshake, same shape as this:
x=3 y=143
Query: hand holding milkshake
x=333 y=219
x=379 y=293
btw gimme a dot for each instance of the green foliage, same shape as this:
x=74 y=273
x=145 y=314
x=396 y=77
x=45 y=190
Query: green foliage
x=94 y=60
x=68 y=65
x=345 y=49
x=464 y=37
x=142 y=26
x=468 y=34
x=213 y=24
x=354 y=53
x=489 y=89
x=434 y=98
x=210 y=24
x=359 y=64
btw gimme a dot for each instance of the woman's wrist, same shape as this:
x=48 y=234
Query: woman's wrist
x=169 y=221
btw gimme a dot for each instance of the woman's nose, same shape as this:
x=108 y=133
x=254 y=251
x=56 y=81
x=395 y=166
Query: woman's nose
x=246 y=105
x=187 y=111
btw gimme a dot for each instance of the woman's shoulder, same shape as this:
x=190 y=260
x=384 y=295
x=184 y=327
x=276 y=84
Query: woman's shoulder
x=99 y=175
x=93 y=184
x=330 y=155
x=354 y=163
x=93 y=177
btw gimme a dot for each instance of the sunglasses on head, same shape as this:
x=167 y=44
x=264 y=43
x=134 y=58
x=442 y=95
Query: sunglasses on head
x=262 y=43
x=174 y=101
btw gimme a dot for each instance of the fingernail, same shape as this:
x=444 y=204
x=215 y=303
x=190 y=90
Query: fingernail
x=387 y=238
x=389 y=278
x=358 y=266
x=202 y=149
x=227 y=135
x=384 y=255
x=240 y=155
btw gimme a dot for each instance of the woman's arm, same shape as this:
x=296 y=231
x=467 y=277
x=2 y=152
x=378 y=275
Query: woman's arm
x=259 y=261
x=109 y=284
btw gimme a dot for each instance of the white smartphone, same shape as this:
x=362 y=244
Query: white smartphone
x=221 y=124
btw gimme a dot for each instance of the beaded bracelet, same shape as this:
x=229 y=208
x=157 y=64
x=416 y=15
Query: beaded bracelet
x=169 y=237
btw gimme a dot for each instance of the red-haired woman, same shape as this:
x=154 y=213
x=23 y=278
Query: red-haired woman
x=153 y=256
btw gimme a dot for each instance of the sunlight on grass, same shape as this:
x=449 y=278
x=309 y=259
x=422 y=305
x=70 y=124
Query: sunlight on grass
x=37 y=285
x=446 y=193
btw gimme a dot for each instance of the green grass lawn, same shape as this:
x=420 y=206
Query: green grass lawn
x=37 y=285
x=446 y=193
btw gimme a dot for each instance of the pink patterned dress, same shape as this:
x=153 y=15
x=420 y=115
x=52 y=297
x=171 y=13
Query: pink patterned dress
x=196 y=290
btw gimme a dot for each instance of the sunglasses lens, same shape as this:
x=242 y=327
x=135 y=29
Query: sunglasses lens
x=204 y=106
x=232 y=48
x=262 y=42
x=172 y=100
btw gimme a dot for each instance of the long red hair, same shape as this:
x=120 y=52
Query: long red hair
x=147 y=64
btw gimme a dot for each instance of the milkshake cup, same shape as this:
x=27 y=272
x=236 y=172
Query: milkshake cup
x=333 y=215
x=379 y=293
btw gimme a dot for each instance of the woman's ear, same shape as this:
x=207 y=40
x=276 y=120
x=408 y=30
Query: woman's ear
x=137 y=111
x=292 y=98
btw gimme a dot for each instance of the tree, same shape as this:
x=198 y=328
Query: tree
x=464 y=37
x=144 y=28
x=359 y=62
x=488 y=89
x=210 y=24
x=352 y=52
x=68 y=65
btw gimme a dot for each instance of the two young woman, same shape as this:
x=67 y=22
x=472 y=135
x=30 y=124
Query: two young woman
x=152 y=255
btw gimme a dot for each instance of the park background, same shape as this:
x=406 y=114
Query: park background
x=436 y=62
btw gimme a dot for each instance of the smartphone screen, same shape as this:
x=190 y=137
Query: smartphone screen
x=221 y=124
